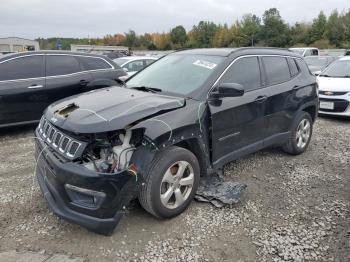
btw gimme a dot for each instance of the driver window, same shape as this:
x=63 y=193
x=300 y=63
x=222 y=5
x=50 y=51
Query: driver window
x=244 y=71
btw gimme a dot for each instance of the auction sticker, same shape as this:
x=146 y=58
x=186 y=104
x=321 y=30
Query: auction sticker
x=205 y=64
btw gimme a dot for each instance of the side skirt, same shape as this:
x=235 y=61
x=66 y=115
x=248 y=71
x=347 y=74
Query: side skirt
x=272 y=140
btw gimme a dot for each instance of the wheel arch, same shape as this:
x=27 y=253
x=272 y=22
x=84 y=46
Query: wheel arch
x=193 y=145
x=312 y=109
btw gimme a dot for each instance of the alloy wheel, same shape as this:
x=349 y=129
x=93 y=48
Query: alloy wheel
x=303 y=133
x=176 y=185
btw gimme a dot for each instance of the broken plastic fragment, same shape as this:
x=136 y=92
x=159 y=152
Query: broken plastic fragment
x=220 y=193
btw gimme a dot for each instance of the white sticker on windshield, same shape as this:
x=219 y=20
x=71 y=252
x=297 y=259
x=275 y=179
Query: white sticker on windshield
x=205 y=64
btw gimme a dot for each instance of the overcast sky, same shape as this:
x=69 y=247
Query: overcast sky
x=96 y=18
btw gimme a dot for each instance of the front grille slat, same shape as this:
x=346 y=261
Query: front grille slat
x=62 y=143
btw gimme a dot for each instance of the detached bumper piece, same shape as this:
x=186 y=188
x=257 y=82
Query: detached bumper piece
x=93 y=200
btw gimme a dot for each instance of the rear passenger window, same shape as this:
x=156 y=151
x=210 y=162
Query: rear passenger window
x=277 y=70
x=294 y=70
x=244 y=71
x=94 y=63
x=61 y=65
x=22 y=68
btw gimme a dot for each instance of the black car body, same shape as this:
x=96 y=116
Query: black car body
x=30 y=81
x=251 y=98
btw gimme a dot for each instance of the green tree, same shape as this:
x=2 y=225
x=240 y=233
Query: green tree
x=178 y=36
x=335 y=29
x=130 y=39
x=203 y=34
x=274 y=31
x=250 y=27
x=300 y=34
x=318 y=27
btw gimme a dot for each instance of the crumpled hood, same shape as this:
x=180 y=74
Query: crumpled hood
x=335 y=84
x=108 y=109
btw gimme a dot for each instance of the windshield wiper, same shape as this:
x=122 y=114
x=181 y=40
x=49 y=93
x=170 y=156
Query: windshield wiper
x=147 y=89
x=324 y=75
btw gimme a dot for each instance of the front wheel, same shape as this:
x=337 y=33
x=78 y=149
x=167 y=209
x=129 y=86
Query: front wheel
x=170 y=183
x=301 y=133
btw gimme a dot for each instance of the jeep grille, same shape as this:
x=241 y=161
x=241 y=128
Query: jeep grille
x=60 y=142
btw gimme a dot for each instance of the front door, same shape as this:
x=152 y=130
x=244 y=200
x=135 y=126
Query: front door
x=22 y=89
x=239 y=123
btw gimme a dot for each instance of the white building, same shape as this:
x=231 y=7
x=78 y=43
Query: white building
x=17 y=44
x=98 y=49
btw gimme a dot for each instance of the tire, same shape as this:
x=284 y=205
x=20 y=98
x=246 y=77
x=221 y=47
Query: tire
x=163 y=179
x=300 y=135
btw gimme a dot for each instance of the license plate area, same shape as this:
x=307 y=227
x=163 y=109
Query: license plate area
x=327 y=105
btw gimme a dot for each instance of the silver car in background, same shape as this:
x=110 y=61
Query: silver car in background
x=133 y=64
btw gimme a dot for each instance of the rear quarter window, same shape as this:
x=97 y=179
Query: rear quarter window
x=294 y=70
x=93 y=63
x=277 y=70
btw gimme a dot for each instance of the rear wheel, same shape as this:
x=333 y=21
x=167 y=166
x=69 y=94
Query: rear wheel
x=300 y=134
x=171 y=182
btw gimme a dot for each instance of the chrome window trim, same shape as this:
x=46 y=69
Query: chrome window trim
x=244 y=56
x=56 y=76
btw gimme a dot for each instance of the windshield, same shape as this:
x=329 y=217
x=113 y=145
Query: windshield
x=316 y=61
x=340 y=68
x=120 y=61
x=177 y=73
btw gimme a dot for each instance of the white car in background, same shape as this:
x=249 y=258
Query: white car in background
x=305 y=51
x=133 y=64
x=334 y=88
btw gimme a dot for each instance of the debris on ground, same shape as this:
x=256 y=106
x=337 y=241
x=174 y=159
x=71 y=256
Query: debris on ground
x=215 y=190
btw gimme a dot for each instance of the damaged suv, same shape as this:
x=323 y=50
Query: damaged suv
x=183 y=117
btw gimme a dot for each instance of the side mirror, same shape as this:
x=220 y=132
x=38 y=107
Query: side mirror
x=125 y=69
x=227 y=90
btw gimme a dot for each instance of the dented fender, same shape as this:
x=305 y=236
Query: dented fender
x=187 y=124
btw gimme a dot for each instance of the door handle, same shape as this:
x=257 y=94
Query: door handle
x=260 y=99
x=296 y=87
x=35 y=86
x=84 y=82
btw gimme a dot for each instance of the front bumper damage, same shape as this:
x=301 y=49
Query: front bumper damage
x=93 y=200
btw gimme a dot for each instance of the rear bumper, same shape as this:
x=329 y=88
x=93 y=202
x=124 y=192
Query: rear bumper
x=100 y=200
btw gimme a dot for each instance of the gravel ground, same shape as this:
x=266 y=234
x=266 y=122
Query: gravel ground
x=294 y=209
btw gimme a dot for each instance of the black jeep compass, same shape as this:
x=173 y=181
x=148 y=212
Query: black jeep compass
x=183 y=117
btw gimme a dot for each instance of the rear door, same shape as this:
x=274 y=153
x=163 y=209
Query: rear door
x=282 y=83
x=65 y=76
x=238 y=123
x=22 y=89
x=102 y=71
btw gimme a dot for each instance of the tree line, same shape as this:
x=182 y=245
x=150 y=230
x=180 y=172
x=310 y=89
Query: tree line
x=251 y=30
